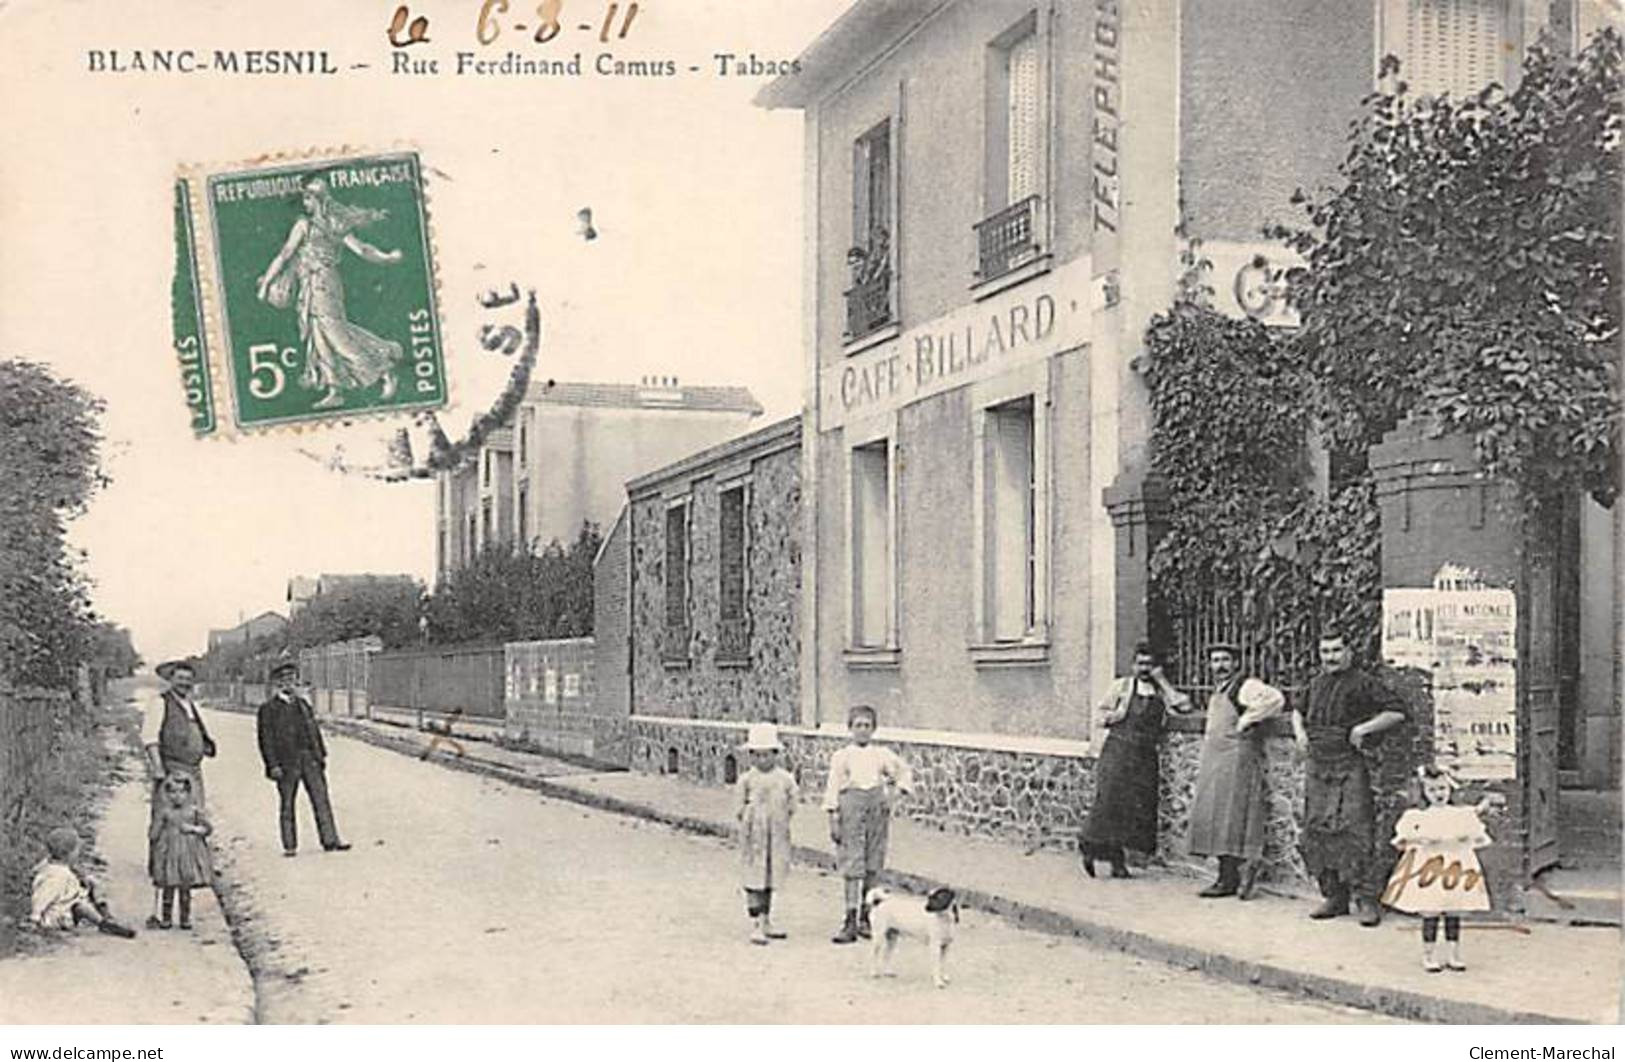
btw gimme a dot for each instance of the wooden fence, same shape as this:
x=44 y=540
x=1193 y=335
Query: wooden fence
x=30 y=721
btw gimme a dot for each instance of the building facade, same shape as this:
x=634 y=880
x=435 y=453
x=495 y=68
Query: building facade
x=266 y=623
x=998 y=195
x=565 y=456
x=302 y=589
x=714 y=591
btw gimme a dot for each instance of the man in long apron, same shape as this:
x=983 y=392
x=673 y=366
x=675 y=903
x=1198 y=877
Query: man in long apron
x=1228 y=812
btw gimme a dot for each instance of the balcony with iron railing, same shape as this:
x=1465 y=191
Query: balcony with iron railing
x=869 y=299
x=1009 y=239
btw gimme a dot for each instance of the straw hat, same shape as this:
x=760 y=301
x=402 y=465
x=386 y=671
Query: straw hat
x=167 y=669
x=763 y=736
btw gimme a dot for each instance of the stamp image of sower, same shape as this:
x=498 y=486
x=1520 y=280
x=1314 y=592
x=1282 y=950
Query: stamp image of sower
x=320 y=277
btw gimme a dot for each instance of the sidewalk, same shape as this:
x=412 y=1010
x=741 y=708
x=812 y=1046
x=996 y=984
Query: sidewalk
x=1267 y=941
x=160 y=977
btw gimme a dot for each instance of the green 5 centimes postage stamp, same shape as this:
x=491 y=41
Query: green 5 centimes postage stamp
x=324 y=281
x=186 y=306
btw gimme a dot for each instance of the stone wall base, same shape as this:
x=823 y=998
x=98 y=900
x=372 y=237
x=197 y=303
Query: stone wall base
x=1029 y=799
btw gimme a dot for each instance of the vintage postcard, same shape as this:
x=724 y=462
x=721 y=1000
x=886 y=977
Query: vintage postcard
x=810 y=512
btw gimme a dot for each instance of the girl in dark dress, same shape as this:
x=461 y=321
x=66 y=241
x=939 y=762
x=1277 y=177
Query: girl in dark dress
x=178 y=852
x=1124 y=814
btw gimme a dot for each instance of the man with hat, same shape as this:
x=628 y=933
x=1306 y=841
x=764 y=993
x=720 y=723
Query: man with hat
x=291 y=746
x=1228 y=812
x=174 y=739
x=1347 y=709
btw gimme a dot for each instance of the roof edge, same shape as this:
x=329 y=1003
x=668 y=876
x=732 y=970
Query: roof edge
x=782 y=432
x=845 y=47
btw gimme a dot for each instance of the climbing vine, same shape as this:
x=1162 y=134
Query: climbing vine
x=1249 y=534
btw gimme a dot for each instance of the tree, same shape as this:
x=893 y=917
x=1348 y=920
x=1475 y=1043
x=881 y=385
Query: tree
x=509 y=595
x=386 y=607
x=49 y=433
x=112 y=652
x=1467 y=272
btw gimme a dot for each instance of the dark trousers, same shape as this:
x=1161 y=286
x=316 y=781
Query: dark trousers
x=309 y=771
x=758 y=902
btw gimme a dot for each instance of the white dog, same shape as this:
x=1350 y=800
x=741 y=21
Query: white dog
x=931 y=920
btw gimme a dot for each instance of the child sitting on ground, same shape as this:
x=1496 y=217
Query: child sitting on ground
x=858 y=798
x=62 y=896
x=177 y=855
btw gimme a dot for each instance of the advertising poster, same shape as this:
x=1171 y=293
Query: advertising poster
x=1465 y=635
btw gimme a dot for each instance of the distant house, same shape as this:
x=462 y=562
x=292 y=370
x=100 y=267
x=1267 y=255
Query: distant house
x=302 y=589
x=565 y=456
x=266 y=623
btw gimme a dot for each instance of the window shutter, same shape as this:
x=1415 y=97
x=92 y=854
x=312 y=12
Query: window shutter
x=879 y=182
x=1452 y=46
x=1022 y=79
x=860 y=192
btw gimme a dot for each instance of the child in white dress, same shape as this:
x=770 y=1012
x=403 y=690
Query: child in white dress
x=62 y=897
x=765 y=800
x=1438 y=874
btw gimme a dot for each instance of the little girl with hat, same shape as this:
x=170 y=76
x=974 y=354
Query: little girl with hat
x=765 y=800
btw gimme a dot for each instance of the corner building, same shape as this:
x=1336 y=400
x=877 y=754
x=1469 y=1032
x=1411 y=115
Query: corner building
x=994 y=193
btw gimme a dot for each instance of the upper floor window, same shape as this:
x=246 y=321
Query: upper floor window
x=522 y=501
x=868 y=301
x=485 y=467
x=1449 y=46
x=1016 y=169
x=1022 y=134
x=524 y=437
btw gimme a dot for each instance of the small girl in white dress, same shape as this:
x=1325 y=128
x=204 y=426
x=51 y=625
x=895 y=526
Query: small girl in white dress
x=1438 y=874
x=764 y=801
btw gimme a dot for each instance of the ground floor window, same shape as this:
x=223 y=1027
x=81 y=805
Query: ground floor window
x=1010 y=508
x=872 y=545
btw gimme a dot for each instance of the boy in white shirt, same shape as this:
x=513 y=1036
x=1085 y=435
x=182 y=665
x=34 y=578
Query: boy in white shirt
x=858 y=798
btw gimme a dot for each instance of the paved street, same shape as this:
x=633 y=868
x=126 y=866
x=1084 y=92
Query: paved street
x=467 y=900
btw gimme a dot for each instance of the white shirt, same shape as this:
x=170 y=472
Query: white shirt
x=152 y=713
x=865 y=767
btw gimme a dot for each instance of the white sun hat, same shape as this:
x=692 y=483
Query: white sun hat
x=763 y=736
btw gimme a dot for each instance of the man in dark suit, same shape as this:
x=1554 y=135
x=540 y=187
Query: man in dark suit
x=292 y=748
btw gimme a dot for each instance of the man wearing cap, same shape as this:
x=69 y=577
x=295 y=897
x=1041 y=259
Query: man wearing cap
x=174 y=739
x=291 y=746
x=1347 y=708
x=1228 y=812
